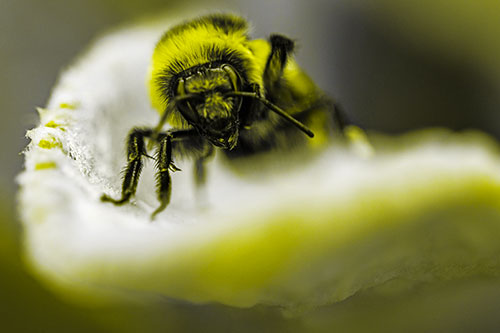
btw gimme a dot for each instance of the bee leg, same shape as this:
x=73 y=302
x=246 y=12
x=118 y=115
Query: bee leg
x=135 y=151
x=354 y=135
x=199 y=167
x=281 y=48
x=165 y=164
x=340 y=118
x=163 y=179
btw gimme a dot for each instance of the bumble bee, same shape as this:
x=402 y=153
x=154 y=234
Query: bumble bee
x=219 y=89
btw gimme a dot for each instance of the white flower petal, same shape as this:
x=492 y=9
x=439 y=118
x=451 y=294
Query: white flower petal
x=425 y=207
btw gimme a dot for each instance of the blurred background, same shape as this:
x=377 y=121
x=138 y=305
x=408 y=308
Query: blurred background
x=394 y=66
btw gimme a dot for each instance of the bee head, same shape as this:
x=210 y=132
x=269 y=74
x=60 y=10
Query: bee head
x=214 y=114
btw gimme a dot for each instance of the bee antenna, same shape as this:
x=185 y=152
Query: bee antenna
x=276 y=109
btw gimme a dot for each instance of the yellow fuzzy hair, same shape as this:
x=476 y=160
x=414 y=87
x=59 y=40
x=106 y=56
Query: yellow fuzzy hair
x=202 y=41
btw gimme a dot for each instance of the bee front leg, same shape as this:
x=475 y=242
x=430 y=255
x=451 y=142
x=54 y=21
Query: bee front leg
x=165 y=164
x=135 y=151
x=163 y=179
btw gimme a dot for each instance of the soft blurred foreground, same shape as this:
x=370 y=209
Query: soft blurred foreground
x=462 y=305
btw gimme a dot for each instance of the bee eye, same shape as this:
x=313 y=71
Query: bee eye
x=233 y=76
x=187 y=111
x=181 y=89
x=185 y=102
